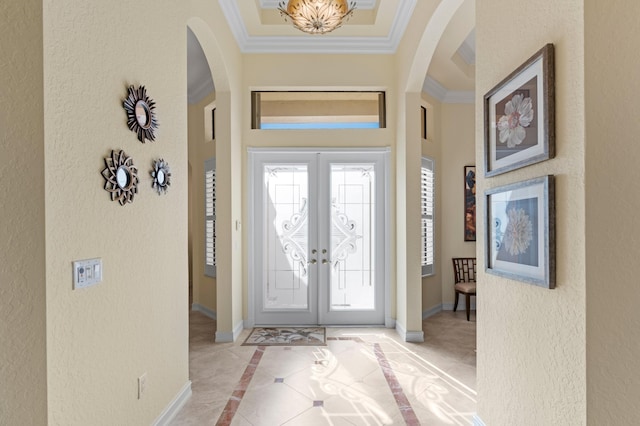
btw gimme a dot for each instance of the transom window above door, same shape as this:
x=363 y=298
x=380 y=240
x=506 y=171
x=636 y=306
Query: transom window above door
x=317 y=110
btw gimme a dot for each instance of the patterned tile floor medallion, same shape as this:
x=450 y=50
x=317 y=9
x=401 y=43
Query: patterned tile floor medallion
x=286 y=336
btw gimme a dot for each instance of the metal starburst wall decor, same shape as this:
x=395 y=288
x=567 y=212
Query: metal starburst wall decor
x=161 y=175
x=121 y=177
x=141 y=116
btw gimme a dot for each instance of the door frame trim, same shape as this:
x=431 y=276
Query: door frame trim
x=251 y=255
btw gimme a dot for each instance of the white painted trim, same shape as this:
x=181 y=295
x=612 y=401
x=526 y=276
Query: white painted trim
x=228 y=337
x=389 y=322
x=336 y=150
x=409 y=336
x=306 y=44
x=431 y=311
x=441 y=93
x=174 y=406
x=201 y=91
x=459 y=97
x=467 y=53
x=434 y=88
x=477 y=421
x=204 y=310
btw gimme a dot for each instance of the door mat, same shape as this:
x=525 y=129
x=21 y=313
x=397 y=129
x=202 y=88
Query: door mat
x=287 y=336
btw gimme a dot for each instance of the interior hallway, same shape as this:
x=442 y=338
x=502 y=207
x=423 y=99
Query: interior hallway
x=364 y=376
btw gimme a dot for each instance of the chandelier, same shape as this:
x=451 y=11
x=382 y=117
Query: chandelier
x=317 y=16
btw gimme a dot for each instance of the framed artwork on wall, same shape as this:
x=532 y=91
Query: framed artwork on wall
x=519 y=116
x=469 y=203
x=520 y=231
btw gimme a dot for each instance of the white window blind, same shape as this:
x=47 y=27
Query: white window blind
x=210 y=217
x=427 y=196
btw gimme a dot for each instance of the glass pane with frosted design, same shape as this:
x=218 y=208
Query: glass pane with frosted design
x=286 y=228
x=352 y=251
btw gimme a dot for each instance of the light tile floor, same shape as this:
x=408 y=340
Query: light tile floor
x=364 y=376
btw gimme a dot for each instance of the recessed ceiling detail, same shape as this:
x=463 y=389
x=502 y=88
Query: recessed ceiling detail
x=381 y=44
x=441 y=93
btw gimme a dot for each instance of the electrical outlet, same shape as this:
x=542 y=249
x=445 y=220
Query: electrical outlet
x=142 y=385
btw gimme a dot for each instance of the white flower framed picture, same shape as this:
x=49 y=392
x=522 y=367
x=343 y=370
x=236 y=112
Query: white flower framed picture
x=520 y=231
x=519 y=116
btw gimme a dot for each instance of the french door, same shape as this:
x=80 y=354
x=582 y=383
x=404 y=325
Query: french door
x=317 y=239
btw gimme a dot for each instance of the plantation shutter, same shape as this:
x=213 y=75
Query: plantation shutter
x=427 y=207
x=210 y=217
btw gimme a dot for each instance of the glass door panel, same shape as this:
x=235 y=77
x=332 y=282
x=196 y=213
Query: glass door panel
x=352 y=230
x=285 y=229
x=352 y=249
x=318 y=238
x=286 y=243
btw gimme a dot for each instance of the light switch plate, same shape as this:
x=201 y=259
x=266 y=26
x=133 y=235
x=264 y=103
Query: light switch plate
x=87 y=272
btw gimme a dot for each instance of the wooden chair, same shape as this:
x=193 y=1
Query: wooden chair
x=464 y=272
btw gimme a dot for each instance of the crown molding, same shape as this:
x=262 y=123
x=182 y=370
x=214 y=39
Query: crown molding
x=314 y=44
x=467 y=53
x=441 y=93
x=203 y=89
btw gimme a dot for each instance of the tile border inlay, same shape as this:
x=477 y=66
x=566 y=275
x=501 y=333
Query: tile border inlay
x=399 y=396
x=236 y=397
x=404 y=405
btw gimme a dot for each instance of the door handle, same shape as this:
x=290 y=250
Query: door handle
x=325 y=261
x=312 y=262
x=314 y=251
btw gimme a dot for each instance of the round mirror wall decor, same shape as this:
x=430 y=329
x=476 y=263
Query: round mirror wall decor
x=141 y=117
x=161 y=175
x=121 y=177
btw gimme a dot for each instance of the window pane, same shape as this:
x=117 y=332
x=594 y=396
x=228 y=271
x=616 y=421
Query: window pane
x=318 y=110
x=427 y=209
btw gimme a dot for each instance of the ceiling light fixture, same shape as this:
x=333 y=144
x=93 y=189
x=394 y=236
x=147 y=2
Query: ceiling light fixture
x=317 y=16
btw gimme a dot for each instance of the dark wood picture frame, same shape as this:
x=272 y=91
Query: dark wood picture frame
x=520 y=231
x=469 y=203
x=519 y=116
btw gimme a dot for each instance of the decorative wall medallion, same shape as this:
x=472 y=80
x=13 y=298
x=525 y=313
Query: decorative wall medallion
x=141 y=117
x=121 y=177
x=161 y=176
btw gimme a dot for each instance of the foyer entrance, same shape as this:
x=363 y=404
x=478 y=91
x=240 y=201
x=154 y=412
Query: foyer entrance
x=318 y=237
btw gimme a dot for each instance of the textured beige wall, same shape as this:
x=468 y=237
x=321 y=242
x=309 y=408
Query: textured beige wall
x=612 y=151
x=458 y=150
x=201 y=148
x=531 y=341
x=23 y=373
x=432 y=147
x=101 y=339
x=343 y=72
x=225 y=61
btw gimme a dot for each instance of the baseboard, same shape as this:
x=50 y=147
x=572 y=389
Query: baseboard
x=431 y=311
x=390 y=322
x=477 y=421
x=409 y=336
x=204 y=310
x=174 y=406
x=230 y=336
x=461 y=307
